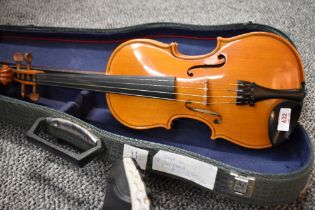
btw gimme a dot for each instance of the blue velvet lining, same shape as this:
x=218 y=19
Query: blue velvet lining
x=91 y=107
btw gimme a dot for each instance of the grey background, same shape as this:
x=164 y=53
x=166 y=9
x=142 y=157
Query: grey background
x=295 y=18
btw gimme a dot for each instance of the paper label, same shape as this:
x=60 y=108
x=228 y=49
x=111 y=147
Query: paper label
x=188 y=168
x=284 y=119
x=139 y=155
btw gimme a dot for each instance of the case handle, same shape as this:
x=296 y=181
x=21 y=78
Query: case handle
x=70 y=133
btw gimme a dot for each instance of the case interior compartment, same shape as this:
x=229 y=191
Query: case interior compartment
x=90 y=50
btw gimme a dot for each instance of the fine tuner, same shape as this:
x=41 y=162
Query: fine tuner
x=239 y=90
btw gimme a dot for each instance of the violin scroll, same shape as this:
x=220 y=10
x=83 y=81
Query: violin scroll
x=5 y=75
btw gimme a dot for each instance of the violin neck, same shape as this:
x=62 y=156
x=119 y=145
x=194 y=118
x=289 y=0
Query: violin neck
x=145 y=86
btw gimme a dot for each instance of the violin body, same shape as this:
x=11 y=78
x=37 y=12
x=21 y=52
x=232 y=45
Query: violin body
x=207 y=87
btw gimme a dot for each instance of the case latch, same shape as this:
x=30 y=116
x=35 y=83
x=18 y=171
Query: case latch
x=242 y=185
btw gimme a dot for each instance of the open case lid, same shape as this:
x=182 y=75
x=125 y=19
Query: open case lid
x=89 y=49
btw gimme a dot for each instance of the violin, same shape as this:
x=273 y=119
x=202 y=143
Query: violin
x=249 y=90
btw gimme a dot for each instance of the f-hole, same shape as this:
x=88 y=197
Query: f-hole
x=205 y=111
x=221 y=62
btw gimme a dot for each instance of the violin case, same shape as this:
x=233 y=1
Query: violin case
x=272 y=176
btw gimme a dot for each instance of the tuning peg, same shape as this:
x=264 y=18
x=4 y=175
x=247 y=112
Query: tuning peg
x=34 y=96
x=28 y=58
x=18 y=58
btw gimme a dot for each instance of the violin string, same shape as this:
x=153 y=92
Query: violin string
x=143 y=90
x=155 y=85
x=168 y=99
x=81 y=72
x=63 y=74
x=60 y=72
x=159 y=80
x=131 y=83
x=48 y=70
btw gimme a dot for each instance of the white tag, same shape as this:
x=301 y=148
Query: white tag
x=188 y=168
x=139 y=155
x=284 y=119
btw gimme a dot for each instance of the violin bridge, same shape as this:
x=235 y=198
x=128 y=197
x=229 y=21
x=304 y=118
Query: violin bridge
x=205 y=89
